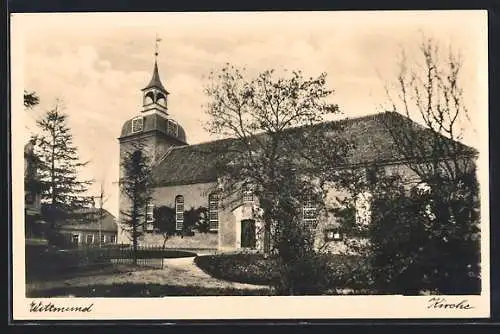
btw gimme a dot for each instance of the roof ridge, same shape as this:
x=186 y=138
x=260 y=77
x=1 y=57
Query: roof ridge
x=202 y=143
x=292 y=128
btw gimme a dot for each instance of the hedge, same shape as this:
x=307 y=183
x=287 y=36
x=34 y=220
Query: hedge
x=343 y=271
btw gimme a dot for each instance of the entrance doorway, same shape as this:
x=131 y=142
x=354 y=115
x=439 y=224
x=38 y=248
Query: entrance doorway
x=248 y=239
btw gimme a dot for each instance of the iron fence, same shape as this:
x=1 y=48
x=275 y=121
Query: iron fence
x=49 y=263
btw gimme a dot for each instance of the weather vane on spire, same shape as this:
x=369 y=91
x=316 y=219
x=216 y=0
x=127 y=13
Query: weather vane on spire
x=157 y=45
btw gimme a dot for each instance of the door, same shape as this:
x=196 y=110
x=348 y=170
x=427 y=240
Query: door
x=248 y=233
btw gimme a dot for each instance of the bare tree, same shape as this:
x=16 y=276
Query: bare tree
x=437 y=226
x=428 y=90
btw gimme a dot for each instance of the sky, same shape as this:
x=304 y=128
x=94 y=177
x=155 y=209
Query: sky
x=97 y=64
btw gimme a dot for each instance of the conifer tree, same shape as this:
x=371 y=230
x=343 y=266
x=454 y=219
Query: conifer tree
x=136 y=185
x=59 y=163
x=30 y=99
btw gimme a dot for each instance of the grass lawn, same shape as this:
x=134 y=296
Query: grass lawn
x=255 y=269
x=134 y=290
x=87 y=272
x=178 y=277
x=44 y=263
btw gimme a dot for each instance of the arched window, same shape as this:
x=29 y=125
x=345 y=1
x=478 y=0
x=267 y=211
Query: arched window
x=309 y=211
x=149 y=98
x=179 y=212
x=161 y=100
x=247 y=193
x=150 y=217
x=213 y=211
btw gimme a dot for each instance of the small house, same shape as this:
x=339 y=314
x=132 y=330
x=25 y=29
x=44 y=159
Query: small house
x=98 y=227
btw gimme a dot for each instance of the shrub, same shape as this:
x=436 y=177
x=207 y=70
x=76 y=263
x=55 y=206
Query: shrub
x=308 y=275
x=243 y=268
x=313 y=275
x=49 y=262
x=418 y=244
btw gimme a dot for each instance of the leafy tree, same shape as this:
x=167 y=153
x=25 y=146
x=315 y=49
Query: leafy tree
x=31 y=99
x=202 y=223
x=196 y=218
x=58 y=162
x=193 y=219
x=165 y=222
x=271 y=152
x=136 y=185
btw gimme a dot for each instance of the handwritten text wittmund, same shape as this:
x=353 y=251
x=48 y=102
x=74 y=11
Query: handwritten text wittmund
x=51 y=307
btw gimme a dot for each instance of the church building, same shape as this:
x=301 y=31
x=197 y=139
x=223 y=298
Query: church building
x=186 y=179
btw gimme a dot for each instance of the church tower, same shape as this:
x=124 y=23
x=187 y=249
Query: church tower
x=153 y=125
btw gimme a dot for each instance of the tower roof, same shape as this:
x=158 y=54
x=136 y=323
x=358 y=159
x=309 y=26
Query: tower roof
x=156 y=123
x=155 y=80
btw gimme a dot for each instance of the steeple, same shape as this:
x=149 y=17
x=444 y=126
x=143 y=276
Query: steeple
x=154 y=94
x=155 y=81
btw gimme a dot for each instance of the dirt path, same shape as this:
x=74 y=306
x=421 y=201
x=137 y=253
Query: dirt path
x=185 y=272
x=176 y=271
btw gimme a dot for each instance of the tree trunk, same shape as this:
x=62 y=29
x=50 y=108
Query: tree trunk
x=52 y=219
x=165 y=238
x=134 y=242
x=267 y=239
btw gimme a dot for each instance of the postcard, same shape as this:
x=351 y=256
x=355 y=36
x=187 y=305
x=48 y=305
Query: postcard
x=250 y=165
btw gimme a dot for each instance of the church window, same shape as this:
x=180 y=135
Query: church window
x=150 y=216
x=137 y=124
x=247 y=193
x=309 y=211
x=179 y=212
x=213 y=211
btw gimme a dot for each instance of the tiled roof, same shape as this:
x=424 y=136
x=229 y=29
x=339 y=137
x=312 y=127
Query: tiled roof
x=92 y=222
x=369 y=135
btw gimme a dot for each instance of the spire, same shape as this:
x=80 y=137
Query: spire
x=155 y=79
